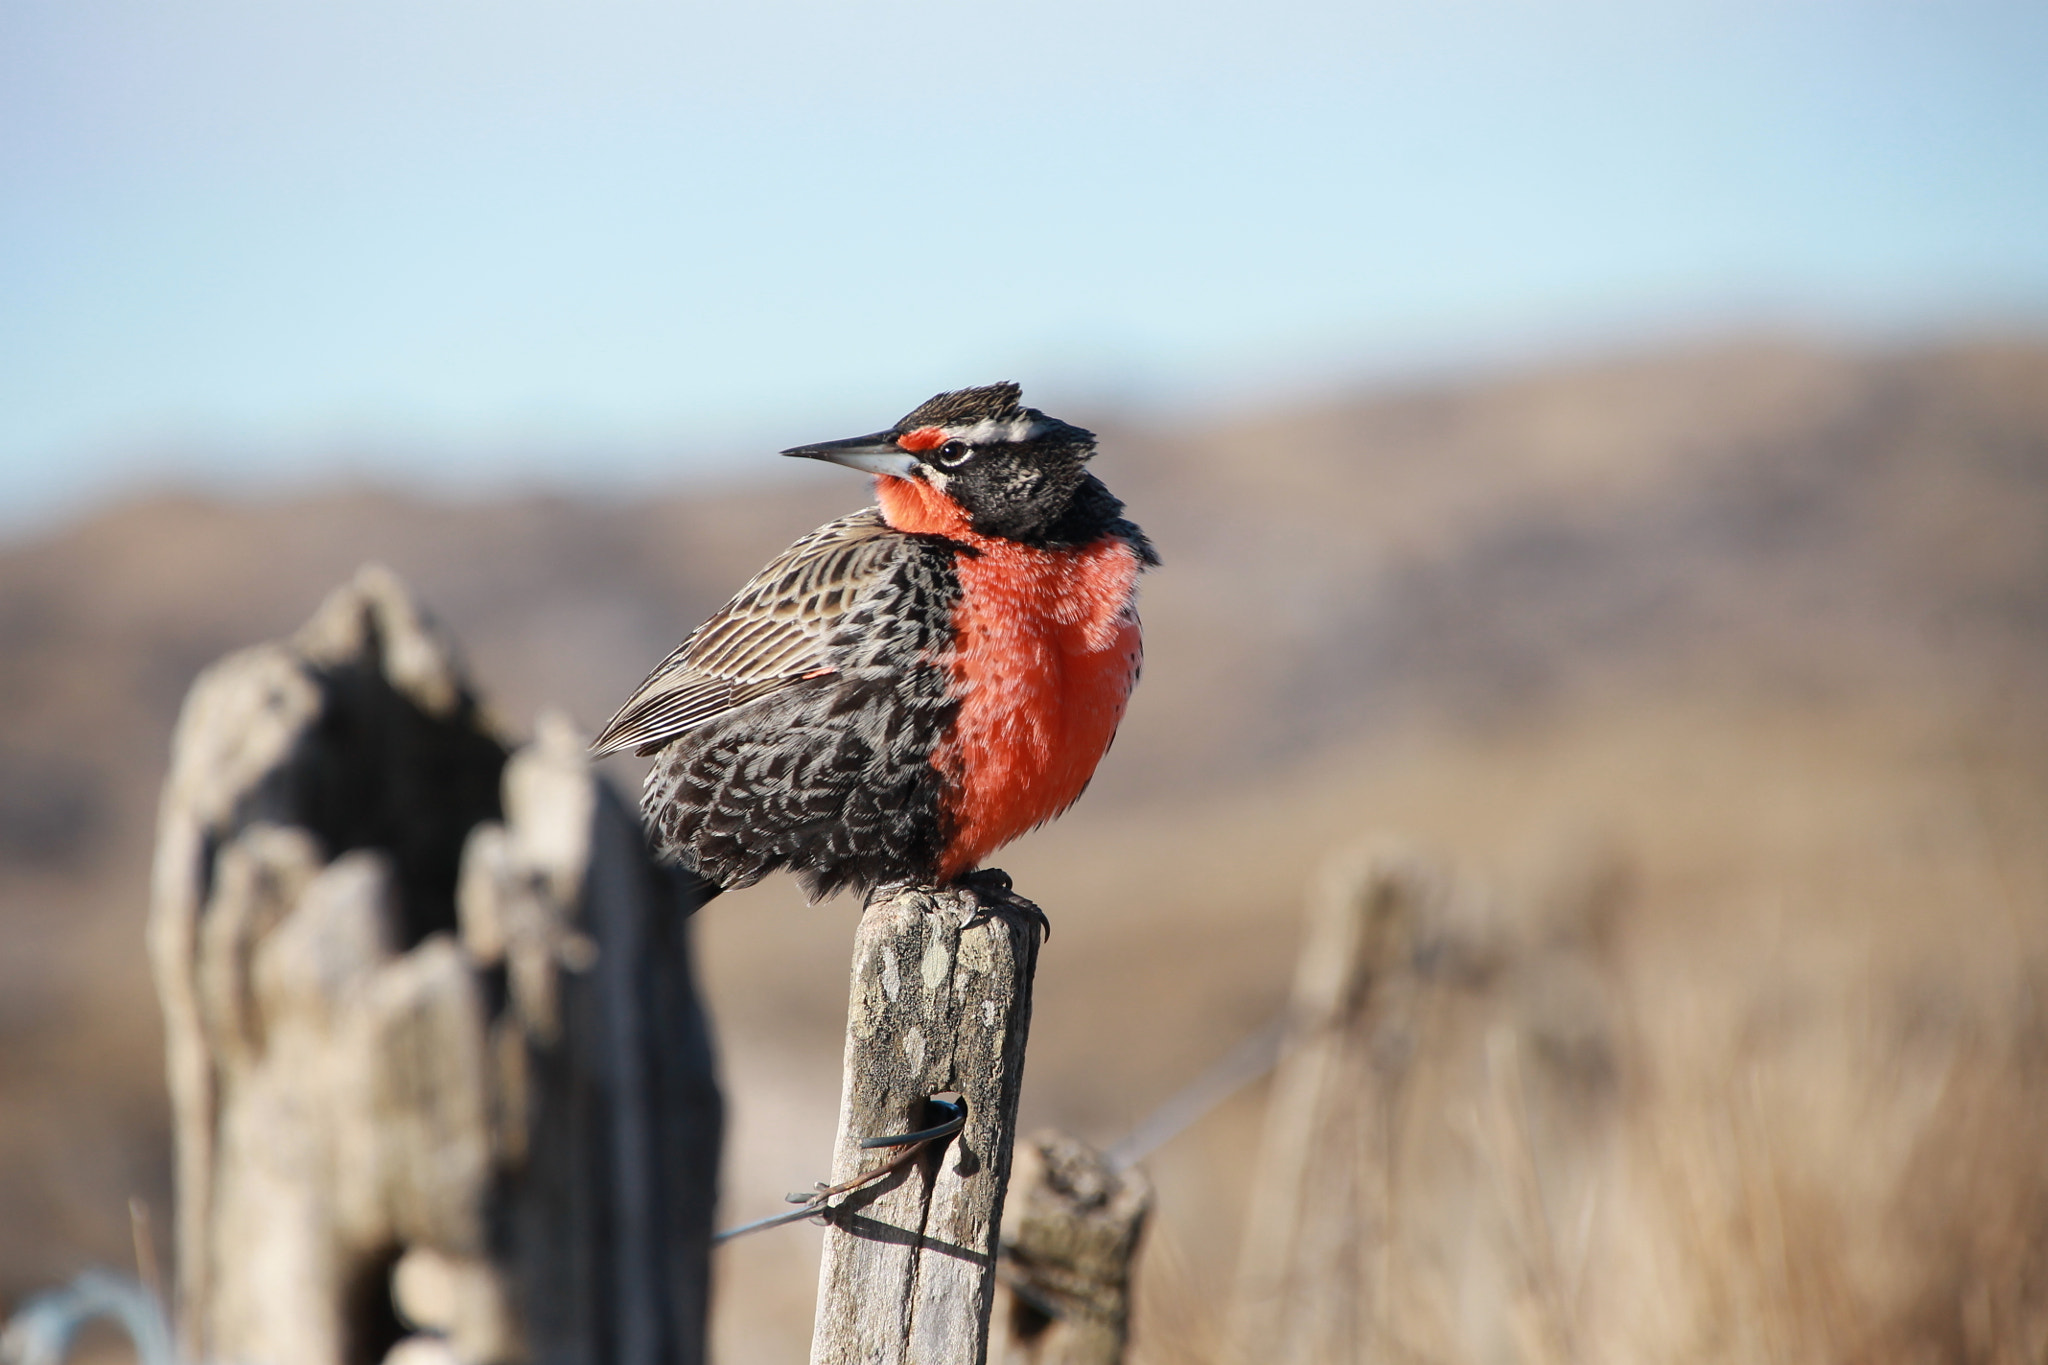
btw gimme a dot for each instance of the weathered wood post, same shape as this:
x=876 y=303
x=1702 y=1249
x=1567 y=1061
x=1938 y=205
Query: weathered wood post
x=1445 y=1092
x=940 y=1005
x=1071 y=1235
x=442 y=1088
x=1312 y=1275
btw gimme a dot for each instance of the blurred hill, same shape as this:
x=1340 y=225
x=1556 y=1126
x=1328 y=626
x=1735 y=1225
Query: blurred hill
x=1750 y=619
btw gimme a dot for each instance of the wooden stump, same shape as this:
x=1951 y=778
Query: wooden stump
x=940 y=1004
x=435 y=1055
x=1071 y=1236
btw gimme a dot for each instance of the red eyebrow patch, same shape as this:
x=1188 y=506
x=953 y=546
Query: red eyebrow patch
x=924 y=438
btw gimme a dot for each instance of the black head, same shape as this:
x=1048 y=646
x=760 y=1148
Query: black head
x=1015 y=471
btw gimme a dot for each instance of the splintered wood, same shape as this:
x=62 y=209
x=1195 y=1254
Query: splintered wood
x=940 y=1004
x=436 y=1061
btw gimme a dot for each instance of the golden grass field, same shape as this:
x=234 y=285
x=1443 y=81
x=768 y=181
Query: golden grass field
x=1720 y=676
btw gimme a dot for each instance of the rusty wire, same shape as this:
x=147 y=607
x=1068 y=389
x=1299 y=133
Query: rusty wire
x=815 y=1202
x=1252 y=1058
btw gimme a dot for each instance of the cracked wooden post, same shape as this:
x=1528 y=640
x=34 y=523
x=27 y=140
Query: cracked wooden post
x=941 y=1003
x=1072 y=1236
x=442 y=1085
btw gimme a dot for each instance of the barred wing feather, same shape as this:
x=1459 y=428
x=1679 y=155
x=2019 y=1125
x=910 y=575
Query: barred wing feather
x=778 y=630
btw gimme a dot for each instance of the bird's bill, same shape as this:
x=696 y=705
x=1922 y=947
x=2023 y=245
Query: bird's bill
x=876 y=454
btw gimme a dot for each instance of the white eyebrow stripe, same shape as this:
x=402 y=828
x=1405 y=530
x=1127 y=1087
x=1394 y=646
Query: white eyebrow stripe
x=989 y=429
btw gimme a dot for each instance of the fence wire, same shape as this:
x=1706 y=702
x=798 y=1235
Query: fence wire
x=1252 y=1058
x=42 y=1330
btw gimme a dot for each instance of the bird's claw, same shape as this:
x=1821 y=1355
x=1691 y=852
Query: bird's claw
x=992 y=890
x=1031 y=911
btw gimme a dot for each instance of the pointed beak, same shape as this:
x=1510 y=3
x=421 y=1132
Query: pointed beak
x=876 y=454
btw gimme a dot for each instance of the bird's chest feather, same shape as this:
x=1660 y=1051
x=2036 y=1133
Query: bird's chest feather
x=1046 y=650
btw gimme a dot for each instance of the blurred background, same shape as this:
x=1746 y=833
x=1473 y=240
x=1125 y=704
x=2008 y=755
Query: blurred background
x=1605 y=444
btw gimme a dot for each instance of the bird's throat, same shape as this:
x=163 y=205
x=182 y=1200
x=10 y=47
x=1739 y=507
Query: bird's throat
x=915 y=507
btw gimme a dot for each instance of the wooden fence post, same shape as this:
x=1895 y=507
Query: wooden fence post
x=1312 y=1278
x=436 y=1061
x=1070 y=1239
x=940 y=1004
x=1444 y=1097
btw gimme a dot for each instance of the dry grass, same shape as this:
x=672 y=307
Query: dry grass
x=1780 y=1095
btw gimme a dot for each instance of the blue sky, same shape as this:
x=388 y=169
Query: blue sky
x=468 y=244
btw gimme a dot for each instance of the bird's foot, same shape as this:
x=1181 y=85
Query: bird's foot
x=989 y=889
x=992 y=890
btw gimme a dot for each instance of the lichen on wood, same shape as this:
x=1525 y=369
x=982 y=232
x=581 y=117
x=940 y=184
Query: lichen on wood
x=940 y=1004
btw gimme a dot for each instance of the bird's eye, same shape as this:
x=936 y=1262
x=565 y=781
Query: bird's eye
x=954 y=453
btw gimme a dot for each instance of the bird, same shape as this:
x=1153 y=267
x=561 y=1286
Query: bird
x=907 y=689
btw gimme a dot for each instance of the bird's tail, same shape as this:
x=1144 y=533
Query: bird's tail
x=694 y=890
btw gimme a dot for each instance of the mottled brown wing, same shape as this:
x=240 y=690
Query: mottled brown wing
x=773 y=633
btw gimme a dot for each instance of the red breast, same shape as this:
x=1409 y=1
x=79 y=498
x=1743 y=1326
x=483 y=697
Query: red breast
x=1046 y=651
